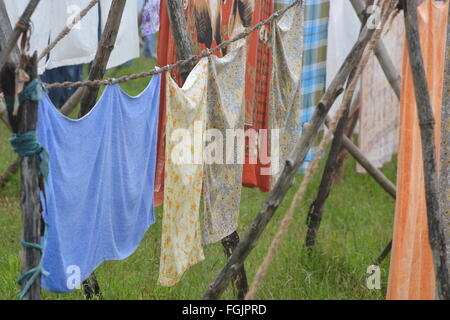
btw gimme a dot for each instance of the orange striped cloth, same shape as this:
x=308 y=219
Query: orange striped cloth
x=411 y=274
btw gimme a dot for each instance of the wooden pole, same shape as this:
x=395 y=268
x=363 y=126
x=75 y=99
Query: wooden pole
x=381 y=52
x=184 y=50
x=5 y=32
x=104 y=50
x=182 y=39
x=287 y=176
x=316 y=210
x=444 y=176
x=427 y=123
x=25 y=121
x=22 y=24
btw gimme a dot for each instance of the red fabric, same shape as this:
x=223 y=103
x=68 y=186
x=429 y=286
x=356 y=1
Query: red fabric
x=257 y=77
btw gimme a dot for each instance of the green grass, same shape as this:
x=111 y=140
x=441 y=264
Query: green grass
x=356 y=227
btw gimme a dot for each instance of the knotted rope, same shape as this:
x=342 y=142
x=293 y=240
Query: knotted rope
x=30 y=276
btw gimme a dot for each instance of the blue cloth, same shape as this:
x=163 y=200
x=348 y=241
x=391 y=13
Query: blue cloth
x=99 y=191
x=59 y=96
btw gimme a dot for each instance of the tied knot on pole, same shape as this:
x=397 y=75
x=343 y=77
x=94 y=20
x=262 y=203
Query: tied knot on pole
x=30 y=276
x=27 y=145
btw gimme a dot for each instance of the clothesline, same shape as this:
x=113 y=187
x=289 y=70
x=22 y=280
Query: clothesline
x=179 y=63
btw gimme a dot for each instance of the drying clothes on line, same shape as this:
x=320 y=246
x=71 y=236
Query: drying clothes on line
x=99 y=201
x=223 y=163
x=257 y=86
x=343 y=32
x=380 y=107
x=314 y=70
x=181 y=245
x=126 y=47
x=210 y=23
x=80 y=45
x=150 y=17
x=149 y=26
x=40 y=23
x=411 y=274
x=59 y=96
x=285 y=91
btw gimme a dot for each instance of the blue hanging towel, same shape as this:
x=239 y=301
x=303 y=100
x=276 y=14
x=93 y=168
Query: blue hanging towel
x=99 y=192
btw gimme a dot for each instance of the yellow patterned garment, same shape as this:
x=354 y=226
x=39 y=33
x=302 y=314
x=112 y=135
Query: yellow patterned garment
x=285 y=93
x=181 y=244
x=223 y=161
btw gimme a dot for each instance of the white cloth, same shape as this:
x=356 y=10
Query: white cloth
x=127 y=42
x=40 y=25
x=343 y=32
x=80 y=45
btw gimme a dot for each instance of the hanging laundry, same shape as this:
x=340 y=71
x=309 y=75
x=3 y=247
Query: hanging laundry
x=149 y=26
x=210 y=23
x=285 y=91
x=379 y=106
x=343 y=32
x=40 y=25
x=80 y=44
x=59 y=96
x=98 y=202
x=223 y=163
x=181 y=245
x=411 y=274
x=126 y=47
x=314 y=71
x=150 y=17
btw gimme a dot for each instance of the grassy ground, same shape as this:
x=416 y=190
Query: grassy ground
x=356 y=227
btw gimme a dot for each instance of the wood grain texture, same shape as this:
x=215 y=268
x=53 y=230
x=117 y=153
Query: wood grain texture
x=427 y=129
x=104 y=50
x=285 y=181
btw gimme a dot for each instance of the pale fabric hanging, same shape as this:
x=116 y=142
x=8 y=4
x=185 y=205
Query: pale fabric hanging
x=343 y=31
x=126 y=47
x=380 y=106
x=80 y=45
x=181 y=245
x=411 y=274
x=285 y=93
x=225 y=117
x=40 y=25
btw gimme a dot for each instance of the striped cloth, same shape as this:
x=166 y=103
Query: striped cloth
x=314 y=62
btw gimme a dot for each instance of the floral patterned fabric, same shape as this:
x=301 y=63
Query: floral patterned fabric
x=226 y=110
x=150 y=17
x=181 y=245
x=285 y=93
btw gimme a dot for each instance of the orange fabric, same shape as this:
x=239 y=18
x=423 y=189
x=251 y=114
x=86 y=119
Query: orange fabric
x=257 y=76
x=411 y=274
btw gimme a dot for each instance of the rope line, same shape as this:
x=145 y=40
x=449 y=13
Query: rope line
x=263 y=268
x=179 y=63
x=67 y=29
